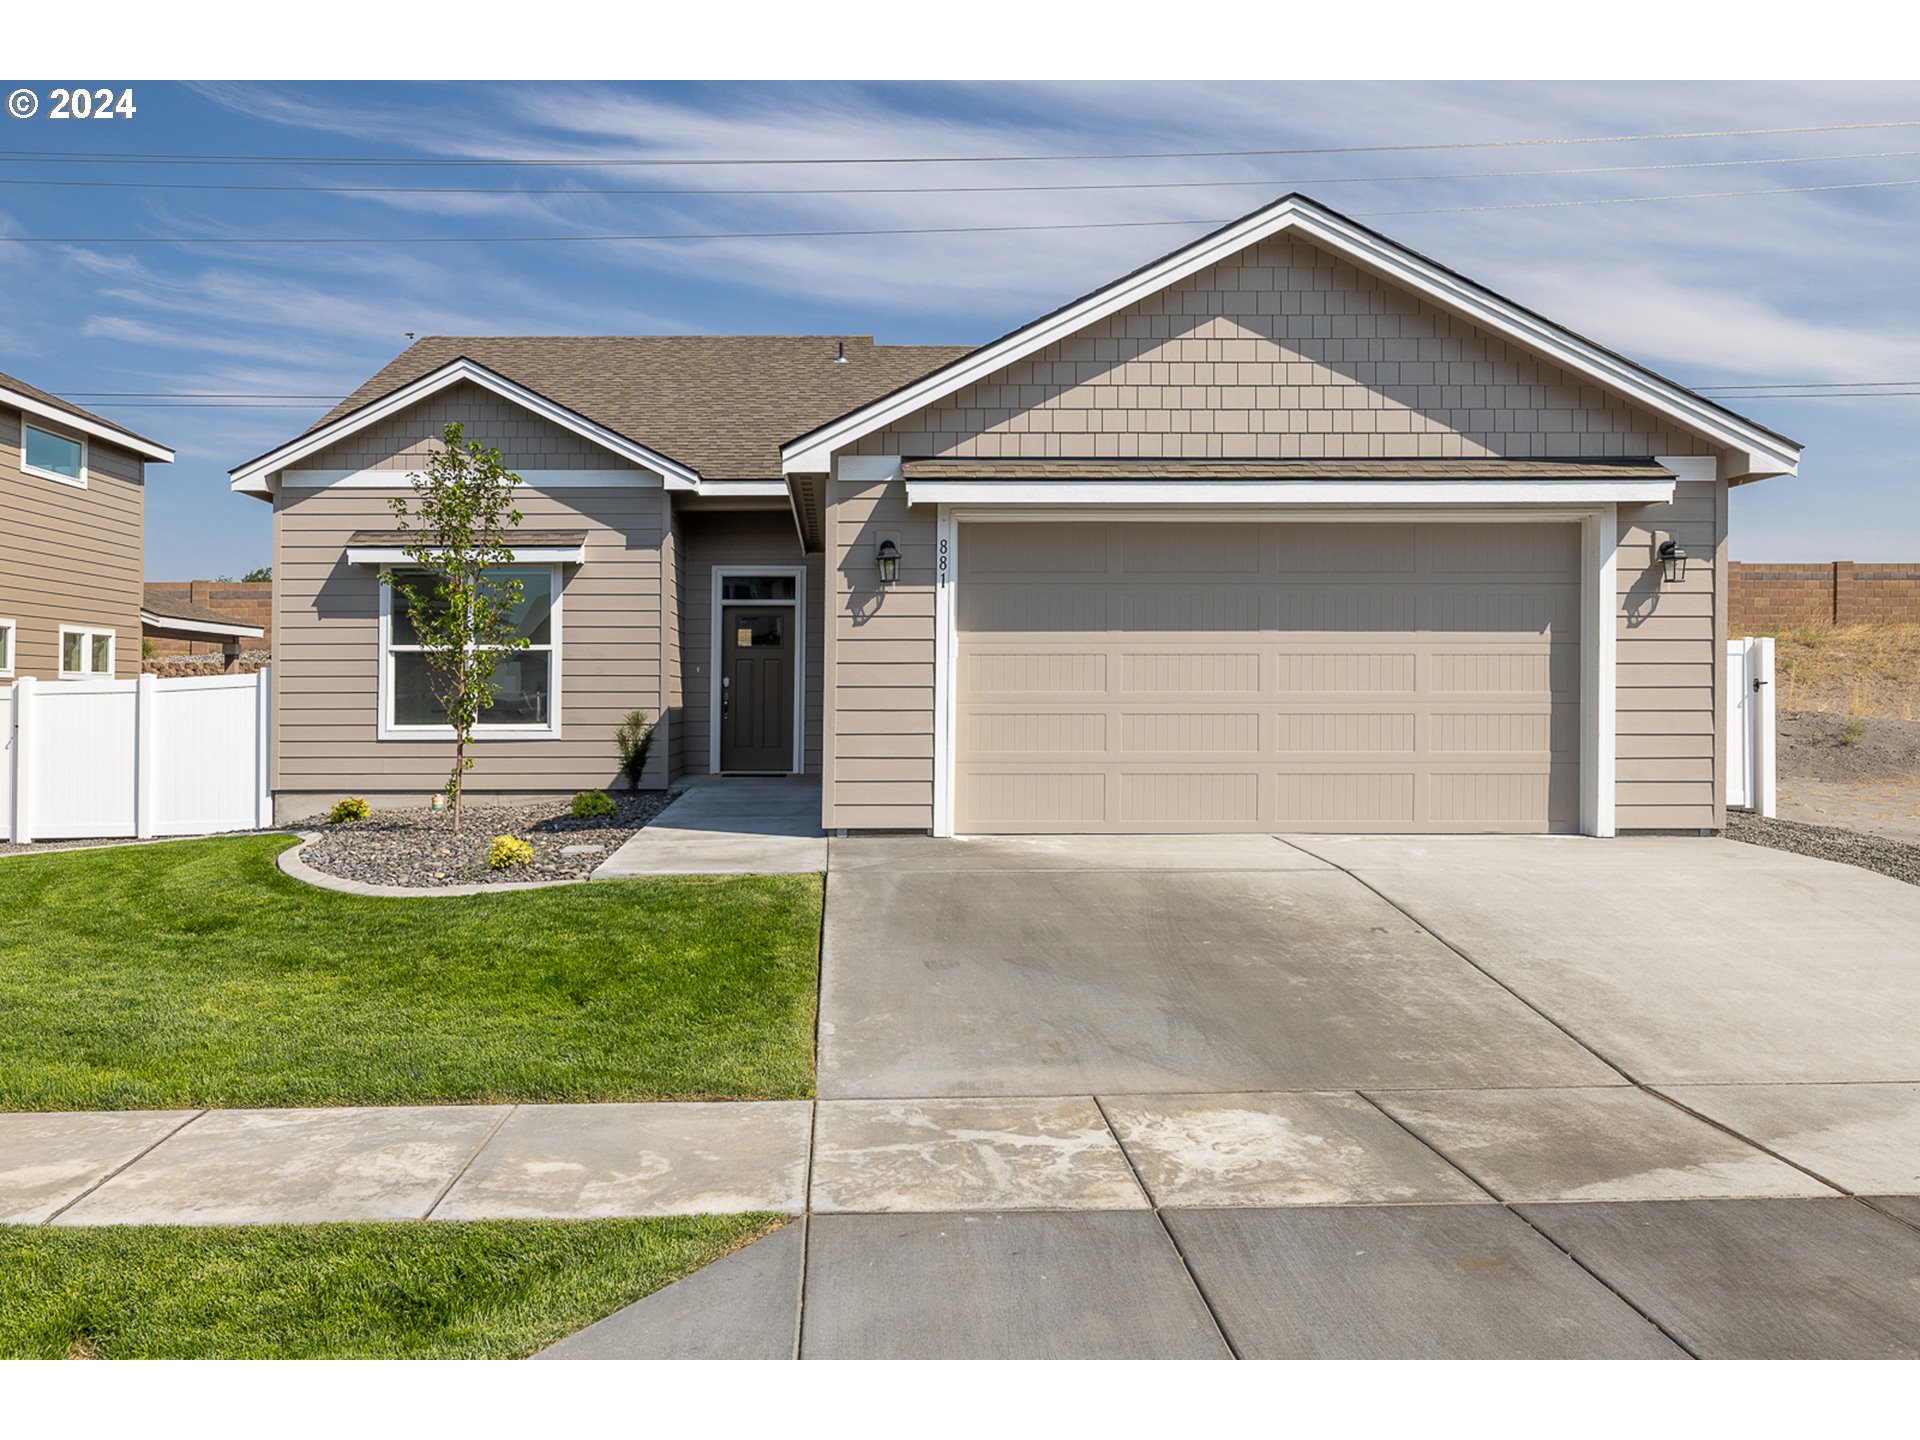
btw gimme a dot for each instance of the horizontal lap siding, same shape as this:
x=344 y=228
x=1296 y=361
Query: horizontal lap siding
x=735 y=537
x=1669 y=665
x=70 y=556
x=326 y=649
x=881 y=677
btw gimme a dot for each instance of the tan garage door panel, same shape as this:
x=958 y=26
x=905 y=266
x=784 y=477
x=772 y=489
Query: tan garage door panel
x=1267 y=676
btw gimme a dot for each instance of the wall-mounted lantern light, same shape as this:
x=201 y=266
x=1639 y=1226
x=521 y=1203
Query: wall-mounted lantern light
x=1673 y=560
x=887 y=556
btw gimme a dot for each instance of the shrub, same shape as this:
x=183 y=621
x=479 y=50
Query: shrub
x=1852 y=733
x=345 y=812
x=589 y=803
x=634 y=739
x=508 y=851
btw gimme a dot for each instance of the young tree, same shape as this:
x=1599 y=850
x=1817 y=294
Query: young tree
x=462 y=510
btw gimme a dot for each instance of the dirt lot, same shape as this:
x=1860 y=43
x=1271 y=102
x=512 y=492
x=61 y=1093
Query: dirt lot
x=1853 y=772
x=1871 y=671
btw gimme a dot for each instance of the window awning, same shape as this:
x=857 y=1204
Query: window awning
x=530 y=547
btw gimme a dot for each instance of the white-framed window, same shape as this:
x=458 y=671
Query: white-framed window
x=86 y=653
x=526 y=684
x=6 y=649
x=52 y=455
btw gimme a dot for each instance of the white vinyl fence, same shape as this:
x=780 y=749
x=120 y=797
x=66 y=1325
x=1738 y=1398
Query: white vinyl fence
x=1750 y=726
x=99 y=759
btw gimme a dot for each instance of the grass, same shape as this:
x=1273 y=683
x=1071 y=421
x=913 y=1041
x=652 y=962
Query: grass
x=1871 y=671
x=195 y=973
x=419 y=1290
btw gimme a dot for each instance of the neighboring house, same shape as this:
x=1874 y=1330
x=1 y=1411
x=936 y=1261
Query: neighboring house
x=72 y=505
x=206 y=618
x=1292 y=529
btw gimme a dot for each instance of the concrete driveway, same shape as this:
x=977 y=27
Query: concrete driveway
x=1136 y=964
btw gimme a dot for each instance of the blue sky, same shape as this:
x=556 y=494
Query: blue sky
x=1798 y=288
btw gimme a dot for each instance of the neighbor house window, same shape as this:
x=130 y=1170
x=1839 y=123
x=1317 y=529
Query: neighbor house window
x=6 y=649
x=85 y=654
x=526 y=683
x=54 y=457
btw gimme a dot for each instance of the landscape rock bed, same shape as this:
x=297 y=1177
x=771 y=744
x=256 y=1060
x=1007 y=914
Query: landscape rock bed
x=1896 y=858
x=420 y=848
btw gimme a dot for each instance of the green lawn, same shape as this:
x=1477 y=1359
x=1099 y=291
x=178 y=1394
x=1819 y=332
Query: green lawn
x=419 y=1290
x=195 y=973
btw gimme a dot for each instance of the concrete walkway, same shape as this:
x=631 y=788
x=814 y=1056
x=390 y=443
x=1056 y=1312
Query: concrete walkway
x=728 y=825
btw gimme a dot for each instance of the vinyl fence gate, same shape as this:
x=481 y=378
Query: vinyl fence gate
x=108 y=759
x=1750 y=726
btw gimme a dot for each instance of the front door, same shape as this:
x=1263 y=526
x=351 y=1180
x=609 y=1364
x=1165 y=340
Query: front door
x=756 y=688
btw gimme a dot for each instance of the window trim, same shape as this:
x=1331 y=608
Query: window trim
x=79 y=483
x=11 y=658
x=388 y=730
x=91 y=633
x=715 y=652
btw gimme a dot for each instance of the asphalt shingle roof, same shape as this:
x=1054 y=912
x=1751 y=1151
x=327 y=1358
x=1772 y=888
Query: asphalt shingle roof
x=719 y=404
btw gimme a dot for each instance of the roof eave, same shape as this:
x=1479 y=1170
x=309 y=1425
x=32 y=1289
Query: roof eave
x=812 y=452
x=96 y=429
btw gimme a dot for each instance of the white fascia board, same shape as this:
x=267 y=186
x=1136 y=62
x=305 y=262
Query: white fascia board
x=146 y=449
x=751 y=489
x=813 y=452
x=1217 y=493
x=530 y=555
x=255 y=476
x=198 y=627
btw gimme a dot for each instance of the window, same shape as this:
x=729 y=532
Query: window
x=526 y=683
x=6 y=649
x=756 y=587
x=85 y=654
x=54 y=457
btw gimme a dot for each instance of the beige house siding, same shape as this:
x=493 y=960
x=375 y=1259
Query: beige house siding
x=1283 y=351
x=404 y=441
x=1669 y=665
x=670 y=725
x=880 y=725
x=70 y=556
x=735 y=537
x=326 y=642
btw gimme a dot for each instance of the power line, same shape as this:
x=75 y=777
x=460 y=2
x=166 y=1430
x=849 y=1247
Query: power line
x=1809 y=385
x=1274 y=183
x=111 y=157
x=668 y=236
x=189 y=395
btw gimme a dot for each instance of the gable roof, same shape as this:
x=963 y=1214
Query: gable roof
x=34 y=400
x=714 y=407
x=1769 y=451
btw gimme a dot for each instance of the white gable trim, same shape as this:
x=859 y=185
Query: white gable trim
x=1766 y=454
x=39 y=409
x=256 y=476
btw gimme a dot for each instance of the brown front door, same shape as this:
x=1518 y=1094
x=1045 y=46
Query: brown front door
x=756 y=689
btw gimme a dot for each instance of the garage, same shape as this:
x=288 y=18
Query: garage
x=1257 y=675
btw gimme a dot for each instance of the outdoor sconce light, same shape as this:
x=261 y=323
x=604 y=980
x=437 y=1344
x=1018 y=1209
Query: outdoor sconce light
x=1672 y=559
x=887 y=556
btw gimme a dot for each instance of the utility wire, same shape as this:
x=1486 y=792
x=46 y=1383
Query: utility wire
x=667 y=236
x=110 y=157
x=1276 y=183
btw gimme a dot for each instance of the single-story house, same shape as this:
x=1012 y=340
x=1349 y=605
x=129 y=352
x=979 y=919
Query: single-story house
x=173 y=623
x=1291 y=529
x=73 y=489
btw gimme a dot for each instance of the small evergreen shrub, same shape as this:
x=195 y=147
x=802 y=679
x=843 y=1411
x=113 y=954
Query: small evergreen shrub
x=634 y=739
x=590 y=803
x=345 y=812
x=508 y=851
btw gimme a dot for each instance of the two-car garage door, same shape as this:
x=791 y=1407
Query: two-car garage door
x=1166 y=676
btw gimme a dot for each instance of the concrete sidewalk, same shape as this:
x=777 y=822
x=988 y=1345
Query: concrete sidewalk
x=960 y=1155
x=729 y=825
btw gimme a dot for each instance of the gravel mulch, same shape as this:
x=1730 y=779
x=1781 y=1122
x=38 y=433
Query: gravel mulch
x=1897 y=858
x=421 y=848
